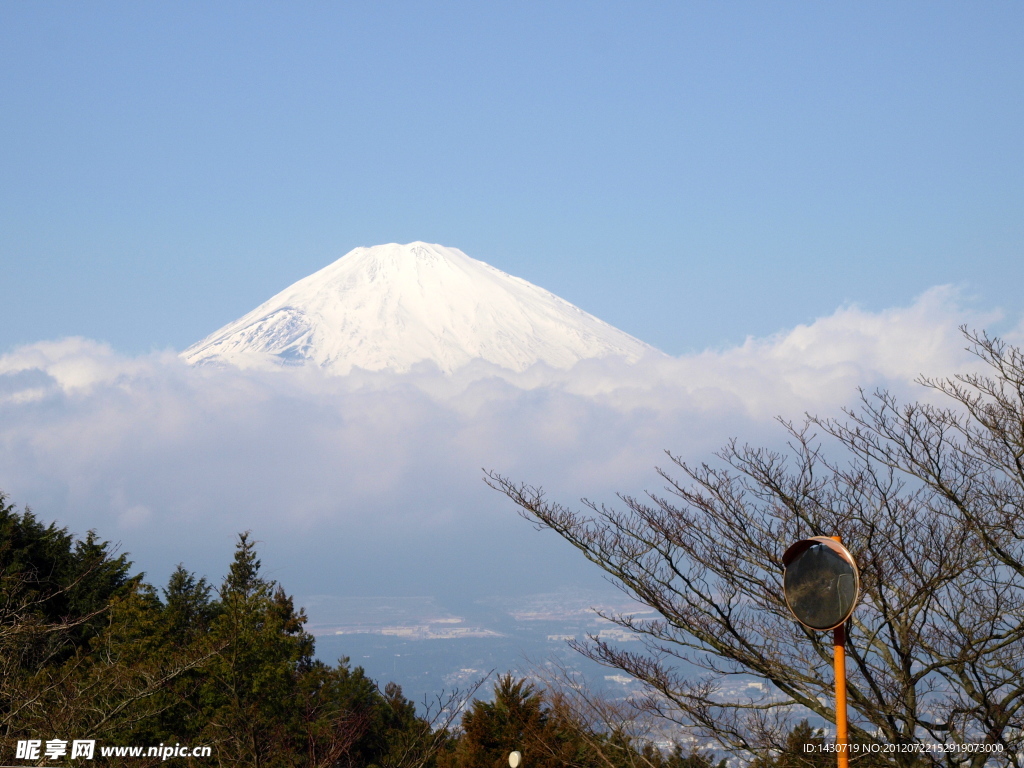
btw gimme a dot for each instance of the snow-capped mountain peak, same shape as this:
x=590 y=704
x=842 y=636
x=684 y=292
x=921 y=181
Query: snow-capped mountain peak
x=392 y=306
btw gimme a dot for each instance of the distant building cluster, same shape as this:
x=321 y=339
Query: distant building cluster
x=422 y=632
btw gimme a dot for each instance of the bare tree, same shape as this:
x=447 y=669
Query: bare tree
x=929 y=499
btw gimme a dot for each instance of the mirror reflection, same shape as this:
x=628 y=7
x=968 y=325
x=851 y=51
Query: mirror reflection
x=820 y=587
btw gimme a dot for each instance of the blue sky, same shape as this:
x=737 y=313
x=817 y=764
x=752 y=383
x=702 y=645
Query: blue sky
x=692 y=173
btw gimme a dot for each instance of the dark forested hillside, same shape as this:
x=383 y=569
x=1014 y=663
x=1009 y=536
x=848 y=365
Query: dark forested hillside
x=90 y=652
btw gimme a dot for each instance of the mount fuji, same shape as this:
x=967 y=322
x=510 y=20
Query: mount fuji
x=392 y=306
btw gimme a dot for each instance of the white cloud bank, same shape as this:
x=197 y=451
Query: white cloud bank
x=374 y=478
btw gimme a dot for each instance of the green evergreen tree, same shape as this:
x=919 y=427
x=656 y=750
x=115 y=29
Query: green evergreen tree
x=802 y=750
x=188 y=606
x=250 y=682
x=47 y=575
x=82 y=642
x=87 y=648
x=188 y=610
x=518 y=719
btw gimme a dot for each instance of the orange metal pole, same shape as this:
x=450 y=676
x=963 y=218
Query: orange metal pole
x=839 y=664
x=839 y=661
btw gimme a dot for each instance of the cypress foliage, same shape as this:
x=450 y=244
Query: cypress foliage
x=91 y=651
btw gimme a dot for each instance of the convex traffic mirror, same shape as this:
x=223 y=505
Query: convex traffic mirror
x=821 y=582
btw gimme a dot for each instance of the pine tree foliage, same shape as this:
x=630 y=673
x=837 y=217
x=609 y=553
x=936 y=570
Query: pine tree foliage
x=88 y=649
x=541 y=724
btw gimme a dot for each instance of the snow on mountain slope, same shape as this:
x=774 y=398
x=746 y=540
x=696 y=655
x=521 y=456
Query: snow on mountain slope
x=392 y=306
